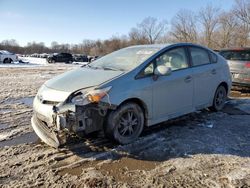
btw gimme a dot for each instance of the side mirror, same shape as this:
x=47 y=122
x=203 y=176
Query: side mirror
x=162 y=70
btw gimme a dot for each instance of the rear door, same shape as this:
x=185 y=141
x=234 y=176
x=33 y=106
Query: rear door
x=206 y=76
x=60 y=57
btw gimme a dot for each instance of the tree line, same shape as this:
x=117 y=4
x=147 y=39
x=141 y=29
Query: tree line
x=210 y=26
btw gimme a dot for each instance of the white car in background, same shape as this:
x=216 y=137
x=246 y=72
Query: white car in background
x=7 y=57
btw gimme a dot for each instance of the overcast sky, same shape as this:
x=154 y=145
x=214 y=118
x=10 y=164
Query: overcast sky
x=71 y=21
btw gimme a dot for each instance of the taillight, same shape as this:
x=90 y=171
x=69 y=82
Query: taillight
x=247 y=65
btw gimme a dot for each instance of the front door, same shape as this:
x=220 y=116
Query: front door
x=173 y=94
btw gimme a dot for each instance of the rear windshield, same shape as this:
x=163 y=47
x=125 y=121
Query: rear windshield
x=239 y=55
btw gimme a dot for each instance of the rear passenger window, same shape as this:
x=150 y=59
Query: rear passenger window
x=199 y=56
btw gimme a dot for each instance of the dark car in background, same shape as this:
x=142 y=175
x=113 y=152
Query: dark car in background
x=239 y=63
x=93 y=58
x=60 y=57
x=80 y=58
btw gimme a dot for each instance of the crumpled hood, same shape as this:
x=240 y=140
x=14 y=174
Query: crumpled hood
x=81 y=78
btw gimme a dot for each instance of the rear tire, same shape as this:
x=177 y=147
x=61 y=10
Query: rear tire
x=125 y=124
x=220 y=97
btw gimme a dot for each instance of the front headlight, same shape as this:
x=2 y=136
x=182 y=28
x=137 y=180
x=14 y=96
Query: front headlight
x=92 y=96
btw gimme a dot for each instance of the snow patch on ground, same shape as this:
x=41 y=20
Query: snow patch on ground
x=26 y=62
x=5 y=111
x=26 y=100
x=33 y=61
x=242 y=104
x=11 y=133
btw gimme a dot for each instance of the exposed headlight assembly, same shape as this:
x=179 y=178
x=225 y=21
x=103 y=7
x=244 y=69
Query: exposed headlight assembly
x=92 y=96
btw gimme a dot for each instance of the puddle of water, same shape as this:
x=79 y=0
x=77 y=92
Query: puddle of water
x=25 y=100
x=3 y=126
x=5 y=111
x=116 y=168
x=30 y=137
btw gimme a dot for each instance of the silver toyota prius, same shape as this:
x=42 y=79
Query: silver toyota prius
x=129 y=89
x=239 y=63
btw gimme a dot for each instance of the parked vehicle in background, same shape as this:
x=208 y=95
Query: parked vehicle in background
x=93 y=58
x=34 y=55
x=60 y=57
x=132 y=88
x=80 y=58
x=239 y=63
x=44 y=55
x=7 y=57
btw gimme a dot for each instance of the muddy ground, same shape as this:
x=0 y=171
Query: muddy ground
x=202 y=149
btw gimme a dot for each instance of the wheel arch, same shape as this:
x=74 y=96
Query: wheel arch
x=7 y=58
x=141 y=104
x=225 y=85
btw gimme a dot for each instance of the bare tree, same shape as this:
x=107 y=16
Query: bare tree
x=85 y=46
x=149 y=29
x=55 y=46
x=184 y=27
x=10 y=45
x=137 y=37
x=242 y=10
x=227 y=30
x=209 y=19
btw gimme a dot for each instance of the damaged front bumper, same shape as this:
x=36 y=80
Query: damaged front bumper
x=46 y=134
x=85 y=119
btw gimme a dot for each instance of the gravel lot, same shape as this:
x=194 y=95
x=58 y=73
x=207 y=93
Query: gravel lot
x=202 y=149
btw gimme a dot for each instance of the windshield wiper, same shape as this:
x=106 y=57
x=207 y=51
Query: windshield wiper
x=88 y=65
x=104 y=68
x=111 y=68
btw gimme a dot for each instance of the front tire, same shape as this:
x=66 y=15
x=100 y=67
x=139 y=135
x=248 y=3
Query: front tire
x=7 y=61
x=219 y=99
x=125 y=124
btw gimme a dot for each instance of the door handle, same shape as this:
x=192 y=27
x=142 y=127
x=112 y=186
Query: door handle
x=213 y=71
x=188 y=79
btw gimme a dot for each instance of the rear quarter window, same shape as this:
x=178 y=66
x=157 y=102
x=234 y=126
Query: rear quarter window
x=213 y=57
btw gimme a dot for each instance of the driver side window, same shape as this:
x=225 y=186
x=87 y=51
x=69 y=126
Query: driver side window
x=175 y=59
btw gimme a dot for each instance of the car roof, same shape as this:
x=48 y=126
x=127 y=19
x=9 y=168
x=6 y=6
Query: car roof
x=161 y=46
x=150 y=46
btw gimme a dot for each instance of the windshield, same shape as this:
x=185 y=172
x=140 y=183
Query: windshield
x=125 y=59
x=239 y=55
